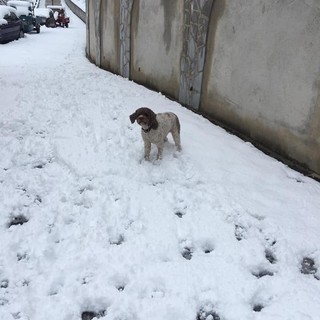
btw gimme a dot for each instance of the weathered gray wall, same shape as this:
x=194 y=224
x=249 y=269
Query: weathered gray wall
x=92 y=32
x=157 y=44
x=263 y=73
x=110 y=53
x=253 y=65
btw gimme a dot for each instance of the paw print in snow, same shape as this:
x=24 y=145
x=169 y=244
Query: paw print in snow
x=17 y=220
x=308 y=267
x=89 y=315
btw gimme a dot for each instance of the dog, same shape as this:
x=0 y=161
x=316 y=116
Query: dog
x=155 y=128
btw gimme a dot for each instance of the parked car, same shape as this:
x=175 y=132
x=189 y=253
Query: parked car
x=59 y=13
x=46 y=17
x=25 y=11
x=11 y=27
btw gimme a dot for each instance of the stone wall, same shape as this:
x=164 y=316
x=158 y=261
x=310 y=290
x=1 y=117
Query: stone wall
x=252 y=65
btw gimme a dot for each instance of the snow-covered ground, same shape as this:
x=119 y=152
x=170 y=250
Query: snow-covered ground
x=88 y=228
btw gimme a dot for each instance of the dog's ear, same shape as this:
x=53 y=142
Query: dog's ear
x=133 y=117
x=152 y=119
x=153 y=123
x=137 y=113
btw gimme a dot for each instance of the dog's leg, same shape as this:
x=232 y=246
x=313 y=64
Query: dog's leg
x=160 y=150
x=147 y=149
x=176 y=138
x=176 y=133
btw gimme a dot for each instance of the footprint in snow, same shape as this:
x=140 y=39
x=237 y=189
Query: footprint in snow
x=207 y=312
x=308 y=267
x=187 y=253
x=17 y=220
x=257 y=307
x=117 y=240
x=4 y=283
x=39 y=166
x=86 y=188
x=22 y=256
x=89 y=315
x=207 y=247
x=3 y=301
x=120 y=288
x=240 y=232
x=262 y=273
x=270 y=256
x=179 y=214
x=41 y=133
x=188 y=248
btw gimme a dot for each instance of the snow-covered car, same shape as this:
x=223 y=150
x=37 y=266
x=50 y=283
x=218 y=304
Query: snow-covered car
x=45 y=16
x=25 y=12
x=59 y=13
x=11 y=27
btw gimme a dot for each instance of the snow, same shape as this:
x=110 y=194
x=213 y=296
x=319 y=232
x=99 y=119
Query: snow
x=55 y=7
x=19 y=3
x=23 y=7
x=218 y=231
x=42 y=12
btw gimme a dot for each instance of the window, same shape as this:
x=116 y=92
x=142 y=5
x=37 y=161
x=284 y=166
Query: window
x=13 y=16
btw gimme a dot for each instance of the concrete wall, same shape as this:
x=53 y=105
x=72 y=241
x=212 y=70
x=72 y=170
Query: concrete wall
x=157 y=39
x=110 y=47
x=263 y=73
x=92 y=33
x=253 y=65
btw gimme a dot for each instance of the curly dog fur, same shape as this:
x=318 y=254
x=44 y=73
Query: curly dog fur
x=155 y=128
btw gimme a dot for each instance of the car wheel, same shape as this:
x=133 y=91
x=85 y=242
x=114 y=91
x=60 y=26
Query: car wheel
x=38 y=29
x=67 y=25
x=21 y=34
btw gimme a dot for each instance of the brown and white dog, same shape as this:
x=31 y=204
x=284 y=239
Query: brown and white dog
x=155 y=128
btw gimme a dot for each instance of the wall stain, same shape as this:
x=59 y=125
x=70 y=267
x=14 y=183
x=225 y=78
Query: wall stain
x=169 y=8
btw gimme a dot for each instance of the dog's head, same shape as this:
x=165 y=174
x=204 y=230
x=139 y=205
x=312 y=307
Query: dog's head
x=145 y=117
